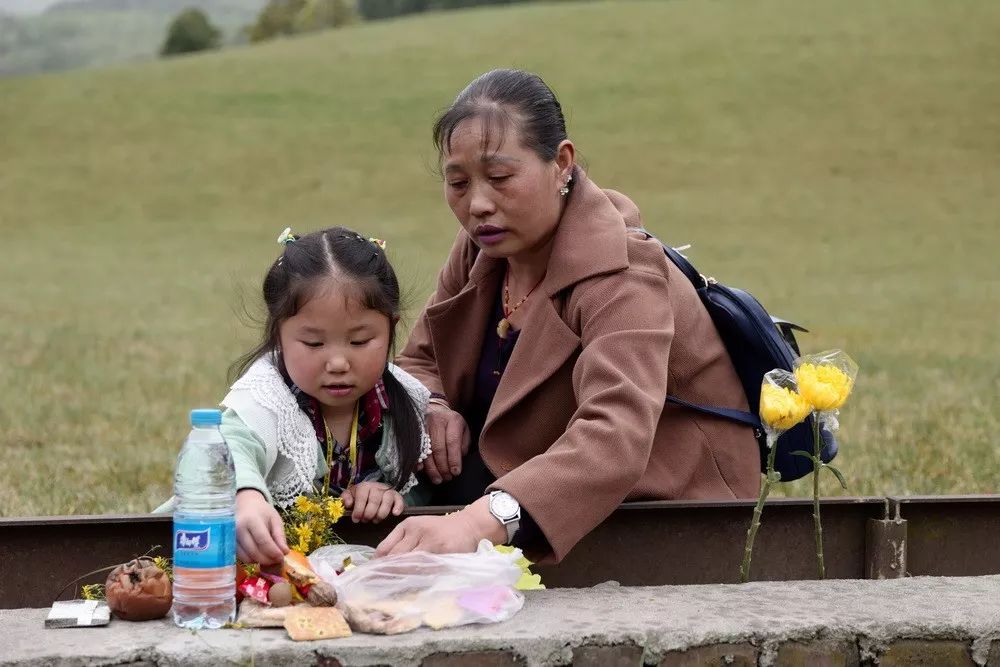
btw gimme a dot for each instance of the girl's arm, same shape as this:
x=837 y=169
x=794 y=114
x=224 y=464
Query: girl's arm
x=249 y=457
x=260 y=536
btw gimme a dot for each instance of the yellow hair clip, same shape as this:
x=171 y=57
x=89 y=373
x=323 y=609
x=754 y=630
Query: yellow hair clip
x=286 y=237
x=379 y=242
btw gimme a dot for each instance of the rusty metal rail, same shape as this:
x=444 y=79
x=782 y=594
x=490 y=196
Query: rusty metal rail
x=650 y=543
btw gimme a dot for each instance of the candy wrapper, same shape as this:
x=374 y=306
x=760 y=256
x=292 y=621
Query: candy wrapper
x=401 y=593
x=255 y=588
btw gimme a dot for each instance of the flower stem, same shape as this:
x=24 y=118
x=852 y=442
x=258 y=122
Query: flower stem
x=765 y=489
x=817 y=464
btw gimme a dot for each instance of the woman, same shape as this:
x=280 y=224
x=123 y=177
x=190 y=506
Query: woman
x=550 y=343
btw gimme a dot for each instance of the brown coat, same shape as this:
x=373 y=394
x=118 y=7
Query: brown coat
x=578 y=423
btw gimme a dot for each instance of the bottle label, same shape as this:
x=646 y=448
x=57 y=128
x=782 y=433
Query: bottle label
x=204 y=543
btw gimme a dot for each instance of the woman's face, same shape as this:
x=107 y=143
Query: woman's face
x=505 y=196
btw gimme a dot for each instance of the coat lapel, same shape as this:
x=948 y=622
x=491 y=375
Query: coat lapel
x=544 y=344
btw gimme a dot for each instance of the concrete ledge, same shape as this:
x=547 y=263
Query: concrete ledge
x=918 y=621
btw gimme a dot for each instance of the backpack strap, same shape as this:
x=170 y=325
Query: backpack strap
x=739 y=416
x=678 y=260
x=699 y=282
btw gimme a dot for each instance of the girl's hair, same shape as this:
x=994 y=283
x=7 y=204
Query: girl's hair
x=501 y=97
x=291 y=281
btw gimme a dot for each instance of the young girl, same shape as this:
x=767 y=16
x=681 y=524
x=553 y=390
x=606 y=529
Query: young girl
x=317 y=404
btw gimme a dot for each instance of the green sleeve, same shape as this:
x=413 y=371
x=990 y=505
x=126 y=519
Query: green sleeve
x=249 y=453
x=419 y=495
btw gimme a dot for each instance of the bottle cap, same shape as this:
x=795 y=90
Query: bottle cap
x=206 y=417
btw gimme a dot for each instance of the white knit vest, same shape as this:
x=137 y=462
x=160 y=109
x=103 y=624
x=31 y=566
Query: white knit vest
x=267 y=406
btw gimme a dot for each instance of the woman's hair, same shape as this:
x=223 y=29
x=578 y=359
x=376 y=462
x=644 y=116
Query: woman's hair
x=298 y=273
x=505 y=96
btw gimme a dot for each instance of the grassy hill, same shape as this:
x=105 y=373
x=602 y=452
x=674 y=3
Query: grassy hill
x=90 y=33
x=840 y=159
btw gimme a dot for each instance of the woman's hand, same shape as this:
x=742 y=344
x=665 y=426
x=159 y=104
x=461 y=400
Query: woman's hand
x=260 y=534
x=372 y=501
x=449 y=443
x=459 y=532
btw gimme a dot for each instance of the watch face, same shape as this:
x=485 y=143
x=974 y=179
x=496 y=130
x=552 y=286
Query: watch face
x=504 y=505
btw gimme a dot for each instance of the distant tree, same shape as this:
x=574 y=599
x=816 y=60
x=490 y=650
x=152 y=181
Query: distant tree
x=323 y=14
x=373 y=10
x=276 y=19
x=190 y=31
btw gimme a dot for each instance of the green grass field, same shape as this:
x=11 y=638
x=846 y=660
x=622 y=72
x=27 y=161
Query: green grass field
x=840 y=159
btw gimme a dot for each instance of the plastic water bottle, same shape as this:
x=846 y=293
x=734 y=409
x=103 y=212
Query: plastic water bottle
x=205 y=527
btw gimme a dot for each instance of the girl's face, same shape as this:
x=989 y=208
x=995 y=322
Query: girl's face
x=506 y=197
x=334 y=348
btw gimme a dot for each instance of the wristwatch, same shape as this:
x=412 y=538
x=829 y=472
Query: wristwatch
x=507 y=511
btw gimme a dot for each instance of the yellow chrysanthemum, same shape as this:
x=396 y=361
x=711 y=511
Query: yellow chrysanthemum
x=781 y=408
x=92 y=592
x=334 y=509
x=304 y=533
x=826 y=387
x=528 y=581
x=165 y=565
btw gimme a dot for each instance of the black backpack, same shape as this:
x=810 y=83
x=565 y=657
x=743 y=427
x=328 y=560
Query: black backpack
x=757 y=343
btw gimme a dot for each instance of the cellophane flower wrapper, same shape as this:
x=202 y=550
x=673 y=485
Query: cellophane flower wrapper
x=826 y=380
x=781 y=405
x=400 y=593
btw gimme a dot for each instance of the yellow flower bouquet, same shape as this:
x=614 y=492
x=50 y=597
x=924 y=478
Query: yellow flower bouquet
x=309 y=522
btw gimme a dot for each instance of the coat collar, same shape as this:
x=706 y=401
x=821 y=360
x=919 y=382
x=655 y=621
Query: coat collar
x=590 y=239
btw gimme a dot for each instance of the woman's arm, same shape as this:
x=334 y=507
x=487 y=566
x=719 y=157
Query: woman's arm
x=619 y=380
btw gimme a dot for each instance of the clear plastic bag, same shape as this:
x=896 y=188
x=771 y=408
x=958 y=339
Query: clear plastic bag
x=329 y=561
x=400 y=593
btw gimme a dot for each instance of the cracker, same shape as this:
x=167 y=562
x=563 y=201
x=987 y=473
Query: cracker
x=309 y=623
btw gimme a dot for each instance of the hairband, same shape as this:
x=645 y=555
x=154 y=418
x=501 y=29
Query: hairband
x=286 y=237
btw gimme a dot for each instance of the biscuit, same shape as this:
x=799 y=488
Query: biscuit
x=308 y=623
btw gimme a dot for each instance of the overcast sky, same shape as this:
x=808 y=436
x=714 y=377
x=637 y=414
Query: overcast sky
x=25 y=6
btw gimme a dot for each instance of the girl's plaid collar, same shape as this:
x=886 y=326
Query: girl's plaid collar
x=369 y=417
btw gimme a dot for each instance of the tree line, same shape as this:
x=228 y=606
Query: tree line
x=192 y=30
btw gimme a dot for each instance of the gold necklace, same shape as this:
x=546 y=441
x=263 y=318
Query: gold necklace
x=503 y=328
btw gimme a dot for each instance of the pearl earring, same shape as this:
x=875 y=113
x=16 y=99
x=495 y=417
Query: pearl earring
x=564 y=190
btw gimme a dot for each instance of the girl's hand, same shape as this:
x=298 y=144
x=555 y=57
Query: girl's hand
x=459 y=532
x=449 y=443
x=372 y=501
x=260 y=535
